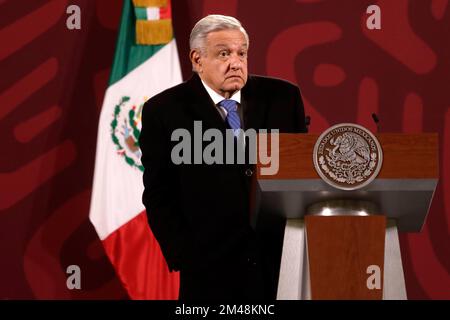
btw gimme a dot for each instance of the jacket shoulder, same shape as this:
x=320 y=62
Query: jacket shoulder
x=264 y=82
x=170 y=98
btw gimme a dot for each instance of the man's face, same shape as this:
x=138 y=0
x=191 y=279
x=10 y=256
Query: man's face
x=223 y=63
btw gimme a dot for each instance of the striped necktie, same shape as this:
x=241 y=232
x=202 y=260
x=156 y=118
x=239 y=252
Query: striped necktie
x=232 y=115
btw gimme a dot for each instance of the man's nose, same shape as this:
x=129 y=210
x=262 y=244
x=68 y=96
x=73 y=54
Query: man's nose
x=235 y=62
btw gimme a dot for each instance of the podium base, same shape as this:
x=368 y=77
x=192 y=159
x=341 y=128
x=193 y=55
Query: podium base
x=294 y=279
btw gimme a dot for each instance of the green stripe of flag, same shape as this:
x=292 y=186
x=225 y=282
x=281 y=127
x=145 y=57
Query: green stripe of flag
x=128 y=54
x=141 y=13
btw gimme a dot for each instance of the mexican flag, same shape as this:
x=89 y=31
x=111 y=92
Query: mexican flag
x=145 y=63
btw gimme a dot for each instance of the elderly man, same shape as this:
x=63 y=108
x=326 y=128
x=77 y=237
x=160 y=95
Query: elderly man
x=200 y=213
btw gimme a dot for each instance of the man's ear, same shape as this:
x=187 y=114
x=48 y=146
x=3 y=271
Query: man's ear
x=195 y=57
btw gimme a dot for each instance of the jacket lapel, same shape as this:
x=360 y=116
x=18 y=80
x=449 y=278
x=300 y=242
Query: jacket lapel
x=203 y=106
x=253 y=107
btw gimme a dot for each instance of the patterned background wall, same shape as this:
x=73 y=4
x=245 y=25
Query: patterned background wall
x=53 y=80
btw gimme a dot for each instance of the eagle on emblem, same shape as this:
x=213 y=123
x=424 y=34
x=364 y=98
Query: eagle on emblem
x=349 y=147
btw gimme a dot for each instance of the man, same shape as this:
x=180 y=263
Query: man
x=199 y=213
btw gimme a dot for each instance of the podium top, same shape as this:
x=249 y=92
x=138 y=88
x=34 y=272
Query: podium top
x=406 y=156
x=403 y=189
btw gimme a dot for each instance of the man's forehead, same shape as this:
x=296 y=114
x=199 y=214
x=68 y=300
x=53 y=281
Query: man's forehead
x=229 y=45
x=226 y=37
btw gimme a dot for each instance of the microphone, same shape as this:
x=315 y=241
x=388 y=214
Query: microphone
x=377 y=121
x=307 y=123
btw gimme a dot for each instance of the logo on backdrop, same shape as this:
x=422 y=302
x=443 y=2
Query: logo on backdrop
x=125 y=130
x=347 y=156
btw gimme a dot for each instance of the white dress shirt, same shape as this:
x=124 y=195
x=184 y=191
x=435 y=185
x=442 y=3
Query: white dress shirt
x=216 y=98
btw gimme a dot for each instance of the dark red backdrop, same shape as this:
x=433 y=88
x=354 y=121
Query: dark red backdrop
x=53 y=80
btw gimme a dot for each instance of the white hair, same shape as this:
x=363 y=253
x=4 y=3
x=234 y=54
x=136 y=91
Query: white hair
x=211 y=23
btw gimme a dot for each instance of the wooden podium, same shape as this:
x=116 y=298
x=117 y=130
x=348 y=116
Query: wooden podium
x=355 y=253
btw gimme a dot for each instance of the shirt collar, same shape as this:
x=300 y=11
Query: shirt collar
x=216 y=98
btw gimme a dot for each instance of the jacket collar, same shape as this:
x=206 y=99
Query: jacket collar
x=203 y=106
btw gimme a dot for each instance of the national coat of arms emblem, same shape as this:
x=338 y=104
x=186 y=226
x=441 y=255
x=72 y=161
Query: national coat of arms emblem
x=347 y=156
x=125 y=131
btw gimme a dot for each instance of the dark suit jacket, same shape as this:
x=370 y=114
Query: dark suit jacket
x=200 y=213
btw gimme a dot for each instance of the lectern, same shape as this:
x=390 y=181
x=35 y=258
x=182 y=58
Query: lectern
x=343 y=244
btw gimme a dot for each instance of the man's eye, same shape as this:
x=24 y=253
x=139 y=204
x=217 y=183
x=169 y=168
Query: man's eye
x=243 y=54
x=223 y=53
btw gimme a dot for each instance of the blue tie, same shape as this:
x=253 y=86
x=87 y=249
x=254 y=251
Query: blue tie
x=232 y=115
